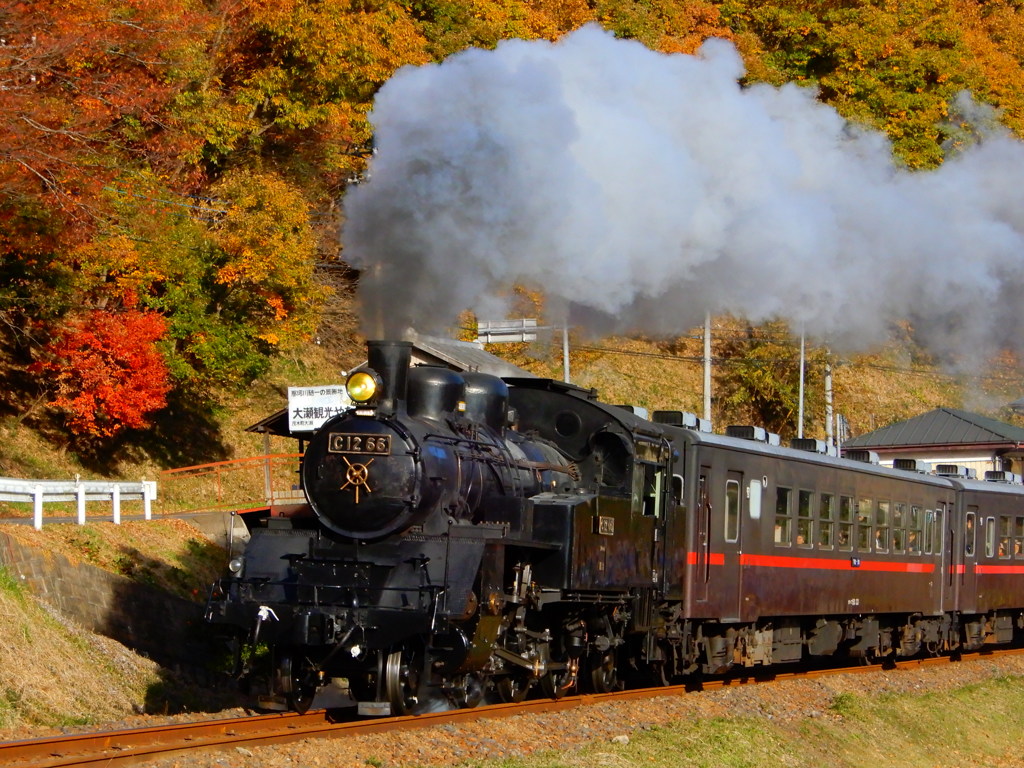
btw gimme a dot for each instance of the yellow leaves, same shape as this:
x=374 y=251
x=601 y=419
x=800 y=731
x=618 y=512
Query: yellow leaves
x=111 y=269
x=267 y=250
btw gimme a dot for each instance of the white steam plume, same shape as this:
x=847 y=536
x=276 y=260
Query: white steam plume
x=645 y=189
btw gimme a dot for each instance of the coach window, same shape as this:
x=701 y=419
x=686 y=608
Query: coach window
x=864 y=525
x=826 y=520
x=845 y=533
x=899 y=522
x=989 y=528
x=969 y=528
x=1018 y=538
x=914 y=526
x=803 y=519
x=1005 y=535
x=783 y=517
x=732 y=510
x=882 y=527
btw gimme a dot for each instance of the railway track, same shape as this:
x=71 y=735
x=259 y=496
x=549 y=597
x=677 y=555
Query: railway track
x=140 y=745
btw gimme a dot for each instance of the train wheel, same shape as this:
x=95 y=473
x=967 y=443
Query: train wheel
x=512 y=688
x=298 y=682
x=472 y=691
x=604 y=677
x=658 y=676
x=556 y=683
x=402 y=680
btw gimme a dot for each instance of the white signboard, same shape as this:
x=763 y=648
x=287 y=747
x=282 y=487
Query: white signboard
x=309 y=407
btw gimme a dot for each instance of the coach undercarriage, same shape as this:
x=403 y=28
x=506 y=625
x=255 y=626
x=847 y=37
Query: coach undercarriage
x=714 y=647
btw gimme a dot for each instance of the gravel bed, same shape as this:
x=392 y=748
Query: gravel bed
x=570 y=730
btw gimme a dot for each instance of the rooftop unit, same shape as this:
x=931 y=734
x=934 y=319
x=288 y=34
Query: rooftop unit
x=955 y=470
x=999 y=476
x=913 y=465
x=812 y=445
x=636 y=410
x=859 y=454
x=759 y=434
x=682 y=419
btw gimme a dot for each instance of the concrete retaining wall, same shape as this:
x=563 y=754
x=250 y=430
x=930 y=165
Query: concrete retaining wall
x=164 y=627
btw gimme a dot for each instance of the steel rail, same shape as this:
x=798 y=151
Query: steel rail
x=136 y=745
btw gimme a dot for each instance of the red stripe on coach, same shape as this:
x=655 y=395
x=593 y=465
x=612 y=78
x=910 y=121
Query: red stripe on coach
x=830 y=564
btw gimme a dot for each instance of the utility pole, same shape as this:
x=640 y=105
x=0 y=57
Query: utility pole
x=800 y=417
x=565 y=353
x=707 y=366
x=829 y=436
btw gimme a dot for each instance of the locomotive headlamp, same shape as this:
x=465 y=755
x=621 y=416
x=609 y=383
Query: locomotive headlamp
x=362 y=386
x=235 y=566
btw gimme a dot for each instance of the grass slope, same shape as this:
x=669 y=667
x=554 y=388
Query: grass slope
x=53 y=673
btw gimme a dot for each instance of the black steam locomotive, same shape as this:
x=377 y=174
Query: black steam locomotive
x=473 y=538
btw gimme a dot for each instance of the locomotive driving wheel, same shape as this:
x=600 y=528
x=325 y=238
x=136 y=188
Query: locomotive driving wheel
x=555 y=683
x=402 y=672
x=604 y=676
x=297 y=680
x=513 y=687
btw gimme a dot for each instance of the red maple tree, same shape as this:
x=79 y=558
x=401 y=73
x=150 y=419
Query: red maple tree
x=107 y=373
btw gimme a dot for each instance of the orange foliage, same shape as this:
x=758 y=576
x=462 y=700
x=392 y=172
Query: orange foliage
x=83 y=88
x=106 y=371
x=994 y=34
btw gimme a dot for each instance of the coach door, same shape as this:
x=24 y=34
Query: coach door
x=702 y=538
x=733 y=532
x=967 y=570
x=942 y=541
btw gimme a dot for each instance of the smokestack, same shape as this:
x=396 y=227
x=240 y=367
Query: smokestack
x=390 y=359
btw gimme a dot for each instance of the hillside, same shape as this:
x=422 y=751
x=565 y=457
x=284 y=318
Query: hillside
x=179 y=188
x=56 y=673
x=871 y=390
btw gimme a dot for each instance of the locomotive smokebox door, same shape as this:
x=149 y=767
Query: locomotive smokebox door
x=362 y=478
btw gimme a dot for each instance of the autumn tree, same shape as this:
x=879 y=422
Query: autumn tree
x=758 y=375
x=232 y=272
x=894 y=66
x=993 y=33
x=292 y=82
x=83 y=93
x=105 y=371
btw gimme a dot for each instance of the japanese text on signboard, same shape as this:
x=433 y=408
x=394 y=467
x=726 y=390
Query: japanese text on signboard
x=309 y=407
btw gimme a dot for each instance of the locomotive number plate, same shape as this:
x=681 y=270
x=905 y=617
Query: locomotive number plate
x=346 y=442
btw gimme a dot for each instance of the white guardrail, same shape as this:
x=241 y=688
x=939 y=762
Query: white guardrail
x=39 y=492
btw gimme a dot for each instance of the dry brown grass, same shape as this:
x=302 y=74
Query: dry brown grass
x=54 y=673
x=169 y=554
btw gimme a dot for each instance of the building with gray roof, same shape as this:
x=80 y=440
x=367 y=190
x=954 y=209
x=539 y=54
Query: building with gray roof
x=948 y=436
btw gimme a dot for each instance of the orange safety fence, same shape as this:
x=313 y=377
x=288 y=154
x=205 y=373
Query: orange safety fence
x=239 y=485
